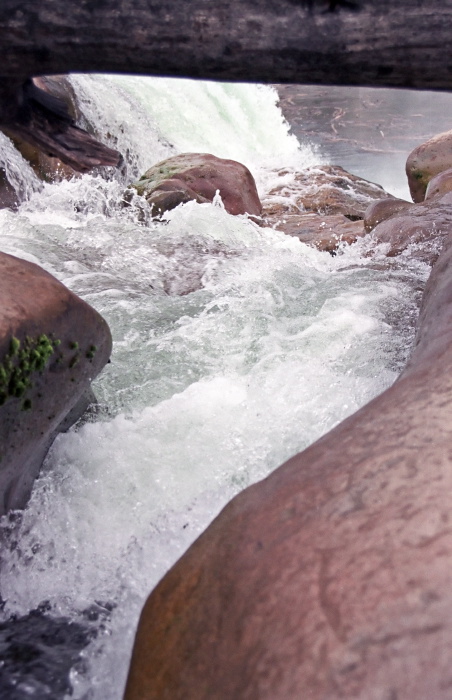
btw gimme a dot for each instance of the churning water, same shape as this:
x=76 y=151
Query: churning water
x=235 y=347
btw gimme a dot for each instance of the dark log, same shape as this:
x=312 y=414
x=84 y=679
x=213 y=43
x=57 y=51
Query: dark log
x=342 y=42
x=400 y=43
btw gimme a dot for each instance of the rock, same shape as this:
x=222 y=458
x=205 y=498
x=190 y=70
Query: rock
x=46 y=167
x=427 y=160
x=197 y=176
x=381 y=210
x=52 y=344
x=439 y=185
x=332 y=577
x=421 y=226
x=8 y=197
x=38 y=652
x=322 y=232
x=325 y=189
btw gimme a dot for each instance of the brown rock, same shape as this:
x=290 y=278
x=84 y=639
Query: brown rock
x=46 y=167
x=381 y=210
x=439 y=185
x=427 y=160
x=325 y=189
x=322 y=232
x=197 y=176
x=52 y=344
x=427 y=224
x=332 y=578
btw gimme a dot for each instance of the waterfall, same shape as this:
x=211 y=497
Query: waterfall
x=235 y=347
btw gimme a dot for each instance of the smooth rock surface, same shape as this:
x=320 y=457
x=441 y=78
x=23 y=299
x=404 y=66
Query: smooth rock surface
x=381 y=210
x=427 y=160
x=332 y=578
x=422 y=227
x=198 y=176
x=439 y=185
x=52 y=344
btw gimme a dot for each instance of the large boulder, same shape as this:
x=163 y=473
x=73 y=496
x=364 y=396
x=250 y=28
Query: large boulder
x=332 y=578
x=324 y=189
x=427 y=160
x=52 y=344
x=198 y=176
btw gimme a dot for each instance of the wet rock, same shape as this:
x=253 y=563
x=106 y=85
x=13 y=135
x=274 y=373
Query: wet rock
x=423 y=227
x=8 y=196
x=427 y=160
x=37 y=654
x=332 y=577
x=197 y=176
x=383 y=209
x=322 y=232
x=46 y=167
x=326 y=189
x=52 y=344
x=439 y=185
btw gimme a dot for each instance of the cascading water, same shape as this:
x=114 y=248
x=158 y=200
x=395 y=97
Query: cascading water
x=234 y=348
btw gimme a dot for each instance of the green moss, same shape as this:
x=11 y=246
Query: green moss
x=22 y=361
x=73 y=362
x=73 y=345
x=14 y=346
x=418 y=175
x=91 y=352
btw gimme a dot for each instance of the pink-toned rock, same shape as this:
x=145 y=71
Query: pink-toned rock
x=52 y=344
x=423 y=225
x=198 y=176
x=332 y=578
x=439 y=185
x=324 y=189
x=381 y=210
x=322 y=232
x=427 y=160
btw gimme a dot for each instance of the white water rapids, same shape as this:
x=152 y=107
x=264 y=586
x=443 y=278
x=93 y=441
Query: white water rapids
x=235 y=347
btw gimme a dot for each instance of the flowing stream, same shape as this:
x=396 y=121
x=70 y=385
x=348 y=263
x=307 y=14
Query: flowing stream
x=235 y=347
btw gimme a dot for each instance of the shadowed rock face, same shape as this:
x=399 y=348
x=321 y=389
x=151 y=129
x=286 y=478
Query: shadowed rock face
x=331 y=578
x=52 y=344
x=198 y=176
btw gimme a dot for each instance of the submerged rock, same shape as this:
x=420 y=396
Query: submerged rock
x=38 y=653
x=427 y=160
x=198 y=176
x=332 y=577
x=52 y=344
x=323 y=232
